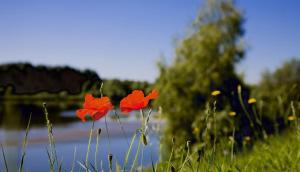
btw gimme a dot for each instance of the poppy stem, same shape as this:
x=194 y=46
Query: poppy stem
x=89 y=146
x=101 y=87
x=142 y=121
x=136 y=154
x=107 y=133
x=97 y=146
x=121 y=126
x=128 y=152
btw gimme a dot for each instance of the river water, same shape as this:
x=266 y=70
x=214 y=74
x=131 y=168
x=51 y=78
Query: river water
x=71 y=138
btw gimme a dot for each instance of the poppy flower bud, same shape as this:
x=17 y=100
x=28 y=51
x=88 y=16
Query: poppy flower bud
x=144 y=139
x=110 y=157
x=99 y=131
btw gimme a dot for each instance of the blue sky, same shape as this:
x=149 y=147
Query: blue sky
x=125 y=38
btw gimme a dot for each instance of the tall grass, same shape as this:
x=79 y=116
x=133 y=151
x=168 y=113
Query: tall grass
x=21 y=169
x=275 y=153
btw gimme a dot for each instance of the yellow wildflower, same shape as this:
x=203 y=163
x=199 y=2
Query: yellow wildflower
x=291 y=118
x=216 y=93
x=247 y=138
x=251 y=100
x=232 y=113
x=196 y=130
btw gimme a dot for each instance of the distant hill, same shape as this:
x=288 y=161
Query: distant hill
x=29 y=79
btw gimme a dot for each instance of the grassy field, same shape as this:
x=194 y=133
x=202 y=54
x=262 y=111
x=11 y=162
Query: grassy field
x=278 y=153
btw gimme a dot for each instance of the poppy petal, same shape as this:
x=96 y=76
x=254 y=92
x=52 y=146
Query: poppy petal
x=136 y=100
x=152 y=95
x=88 y=101
x=99 y=114
x=81 y=113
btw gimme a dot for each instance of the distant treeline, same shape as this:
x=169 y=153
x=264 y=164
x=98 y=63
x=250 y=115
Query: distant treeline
x=28 y=79
x=25 y=78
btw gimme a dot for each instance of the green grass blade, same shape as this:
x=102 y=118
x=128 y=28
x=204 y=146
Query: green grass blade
x=3 y=155
x=152 y=163
x=170 y=158
x=89 y=146
x=129 y=151
x=52 y=149
x=24 y=145
x=83 y=166
x=96 y=152
x=136 y=154
x=60 y=165
x=74 y=158
x=93 y=167
x=50 y=161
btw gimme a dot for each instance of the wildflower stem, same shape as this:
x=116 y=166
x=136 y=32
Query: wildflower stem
x=142 y=120
x=128 y=152
x=259 y=121
x=137 y=153
x=122 y=128
x=140 y=140
x=142 y=157
x=186 y=157
x=232 y=145
x=294 y=114
x=89 y=146
x=101 y=88
x=215 y=126
x=107 y=133
x=244 y=108
x=110 y=157
x=52 y=150
x=96 y=151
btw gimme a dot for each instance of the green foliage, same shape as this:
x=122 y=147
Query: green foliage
x=278 y=153
x=204 y=62
x=277 y=89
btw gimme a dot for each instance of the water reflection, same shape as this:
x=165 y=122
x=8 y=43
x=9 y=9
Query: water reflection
x=15 y=115
x=69 y=134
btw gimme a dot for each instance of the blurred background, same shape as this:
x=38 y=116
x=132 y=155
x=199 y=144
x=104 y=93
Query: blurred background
x=56 y=51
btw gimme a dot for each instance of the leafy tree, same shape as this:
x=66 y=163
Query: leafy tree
x=205 y=61
x=278 y=89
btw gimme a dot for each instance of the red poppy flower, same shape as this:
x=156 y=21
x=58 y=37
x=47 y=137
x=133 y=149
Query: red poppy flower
x=136 y=100
x=94 y=108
